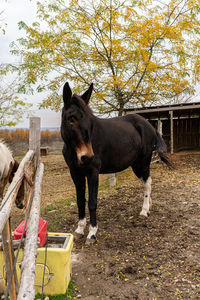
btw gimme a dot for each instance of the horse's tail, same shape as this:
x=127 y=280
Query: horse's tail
x=162 y=151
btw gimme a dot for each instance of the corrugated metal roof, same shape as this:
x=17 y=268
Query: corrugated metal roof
x=186 y=110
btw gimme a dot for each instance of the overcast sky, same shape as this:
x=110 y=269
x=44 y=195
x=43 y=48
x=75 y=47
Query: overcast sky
x=13 y=12
x=25 y=10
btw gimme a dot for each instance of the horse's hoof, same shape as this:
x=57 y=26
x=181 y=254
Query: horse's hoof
x=78 y=236
x=90 y=241
x=144 y=214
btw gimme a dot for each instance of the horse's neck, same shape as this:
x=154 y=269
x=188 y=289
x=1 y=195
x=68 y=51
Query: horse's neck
x=5 y=159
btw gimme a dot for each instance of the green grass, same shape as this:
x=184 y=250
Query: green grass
x=69 y=295
x=60 y=211
x=60 y=207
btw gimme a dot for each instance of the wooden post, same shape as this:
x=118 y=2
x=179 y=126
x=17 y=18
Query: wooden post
x=34 y=137
x=9 y=259
x=27 y=282
x=34 y=144
x=171 y=132
x=28 y=269
x=112 y=179
x=160 y=127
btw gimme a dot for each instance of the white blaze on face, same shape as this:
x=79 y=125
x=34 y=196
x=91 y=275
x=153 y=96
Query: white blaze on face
x=84 y=150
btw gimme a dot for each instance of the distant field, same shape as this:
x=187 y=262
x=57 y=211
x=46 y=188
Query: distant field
x=18 y=139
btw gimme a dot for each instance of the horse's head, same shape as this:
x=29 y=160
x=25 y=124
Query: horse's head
x=20 y=195
x=76 y=125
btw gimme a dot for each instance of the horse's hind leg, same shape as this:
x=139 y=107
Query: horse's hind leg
x=144 y=173
x=147 y=198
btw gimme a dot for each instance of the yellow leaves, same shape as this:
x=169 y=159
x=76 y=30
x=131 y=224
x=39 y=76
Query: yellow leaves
x=114 y=80
x=152 y=67
x=59 y=59
x=31 y=77
x=143 y=49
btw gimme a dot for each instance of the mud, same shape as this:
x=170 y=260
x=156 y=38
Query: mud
x=134 y=257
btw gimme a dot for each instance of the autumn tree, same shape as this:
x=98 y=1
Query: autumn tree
x=2 y=23
x=12 y=108
x=135 y=52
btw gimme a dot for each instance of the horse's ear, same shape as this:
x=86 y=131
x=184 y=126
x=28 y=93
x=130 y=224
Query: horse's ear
x=67 y=94
x=86 y=96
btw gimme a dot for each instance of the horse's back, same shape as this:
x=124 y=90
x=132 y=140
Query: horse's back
x=120 y=141
x=145 y=129
x=139 y=121
x=134 y=119
x=116 y=133
x=132 y=128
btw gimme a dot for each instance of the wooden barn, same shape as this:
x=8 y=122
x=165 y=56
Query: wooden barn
x=179 y=124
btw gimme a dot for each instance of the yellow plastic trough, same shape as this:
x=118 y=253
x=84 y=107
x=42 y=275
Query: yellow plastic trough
x=58 y=265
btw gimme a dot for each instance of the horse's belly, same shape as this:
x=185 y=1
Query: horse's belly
x=118 y=162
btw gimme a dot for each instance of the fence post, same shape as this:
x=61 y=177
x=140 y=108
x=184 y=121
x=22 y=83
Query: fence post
x=9 y=259
x=160 y=127
x=28 y=267
x=34 y=137
x=34 y=144
x=112 y=179
x=171 y=132
x=7 y=203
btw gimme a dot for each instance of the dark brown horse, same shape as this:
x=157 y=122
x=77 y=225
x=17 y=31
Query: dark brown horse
x=94 y=146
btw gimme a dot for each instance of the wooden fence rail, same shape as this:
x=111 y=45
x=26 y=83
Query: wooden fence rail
x=27 y=282
x=9 y=199
x=30 y=170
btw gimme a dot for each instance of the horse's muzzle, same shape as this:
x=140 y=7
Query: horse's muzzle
x=84 y=153
x=20 y=205
x=85 y=160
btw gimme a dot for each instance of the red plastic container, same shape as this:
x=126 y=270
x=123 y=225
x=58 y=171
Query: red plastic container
x=42 y=231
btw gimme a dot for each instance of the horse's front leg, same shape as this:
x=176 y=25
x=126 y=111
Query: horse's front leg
x=79 y=181
x=93 y=181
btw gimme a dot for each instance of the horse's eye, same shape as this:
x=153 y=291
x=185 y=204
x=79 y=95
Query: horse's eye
x=72 y=120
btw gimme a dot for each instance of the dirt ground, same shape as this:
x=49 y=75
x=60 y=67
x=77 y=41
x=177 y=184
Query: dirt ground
x=134 y=257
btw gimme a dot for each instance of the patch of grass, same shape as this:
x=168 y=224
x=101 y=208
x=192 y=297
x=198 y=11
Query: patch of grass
x=104 y=185
x=56 y=213
x=59 y=205
x=69 y=295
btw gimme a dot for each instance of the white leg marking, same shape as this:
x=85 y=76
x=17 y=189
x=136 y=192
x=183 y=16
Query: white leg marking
x=147 y=200
x=81 y=226
x=92 y=231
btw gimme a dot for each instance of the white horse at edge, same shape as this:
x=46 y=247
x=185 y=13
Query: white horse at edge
x=8 y=167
